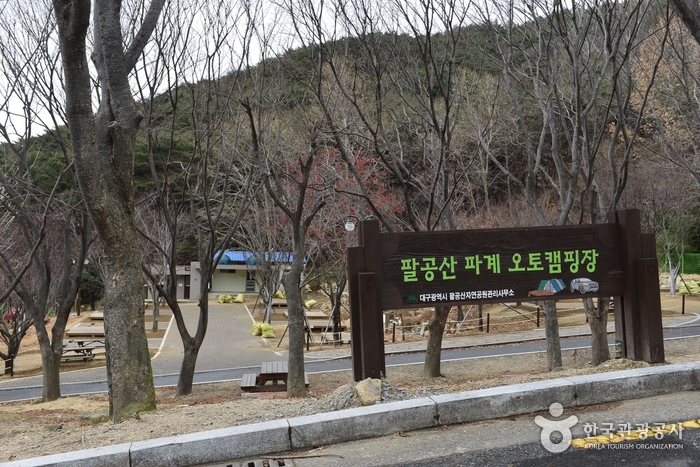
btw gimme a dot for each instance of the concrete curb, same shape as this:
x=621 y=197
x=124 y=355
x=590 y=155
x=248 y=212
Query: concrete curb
x=212 y=446
x=361 y=423
x=382 y=419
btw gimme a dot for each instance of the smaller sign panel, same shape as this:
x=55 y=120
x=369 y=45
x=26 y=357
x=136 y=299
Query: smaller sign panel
x=475 y=266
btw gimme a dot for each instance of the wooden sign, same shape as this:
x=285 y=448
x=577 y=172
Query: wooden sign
x=391 y=271
x=479 y=266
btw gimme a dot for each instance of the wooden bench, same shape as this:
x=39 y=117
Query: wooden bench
x=77 y=356
x=249 y=381
x=321 y=325
x=270 y=372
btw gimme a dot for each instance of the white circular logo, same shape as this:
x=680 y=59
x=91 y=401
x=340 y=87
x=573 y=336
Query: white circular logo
x=562 y=427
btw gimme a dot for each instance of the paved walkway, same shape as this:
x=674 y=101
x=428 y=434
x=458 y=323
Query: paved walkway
x=229 y=343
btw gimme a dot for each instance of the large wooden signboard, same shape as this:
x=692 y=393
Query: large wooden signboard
x=476 y=266
x=426 y=269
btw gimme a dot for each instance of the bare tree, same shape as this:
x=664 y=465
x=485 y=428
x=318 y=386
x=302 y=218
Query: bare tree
x=292 y=279
x=384 y=78
x=267 y=243
x=567 y=71
x=155 y=248
x=51 y=230
x=192 y=133
x=669 y=206
x=103 y=150
x=290 y=186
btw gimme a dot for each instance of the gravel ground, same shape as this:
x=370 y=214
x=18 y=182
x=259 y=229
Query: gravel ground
x=31 y=429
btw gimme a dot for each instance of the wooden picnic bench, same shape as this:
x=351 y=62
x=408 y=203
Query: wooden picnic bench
x=311 y=314
x=270 y=372
x=97 y=316
x=321 y=325
x=82 y=330
x=80 y=350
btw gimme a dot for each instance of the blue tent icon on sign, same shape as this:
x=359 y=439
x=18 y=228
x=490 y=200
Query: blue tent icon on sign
x=548 y=287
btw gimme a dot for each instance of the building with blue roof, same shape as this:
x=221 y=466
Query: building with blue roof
x=236 y=272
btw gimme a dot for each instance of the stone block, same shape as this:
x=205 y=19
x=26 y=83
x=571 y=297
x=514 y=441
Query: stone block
x=503 y=401
x=633 y=384
x=361 y=423
x=108 y=456
x=212 y=446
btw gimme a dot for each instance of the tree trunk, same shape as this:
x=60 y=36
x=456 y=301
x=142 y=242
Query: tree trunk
x=436 y=326
x=9 y=366
x=192 y=344
x=598 y=321
x=104 y=145
x=51 y=366
x=129 y=373
x=552 y=335
x=689 y=11
x=672 y=274
x=296 y=385
x=156 y=311
x=337 y=335
x=189 y=362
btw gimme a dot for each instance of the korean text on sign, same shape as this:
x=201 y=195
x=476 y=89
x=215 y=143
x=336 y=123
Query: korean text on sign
x=433 y=268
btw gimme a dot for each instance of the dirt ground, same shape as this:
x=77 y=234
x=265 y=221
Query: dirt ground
x=31 y=429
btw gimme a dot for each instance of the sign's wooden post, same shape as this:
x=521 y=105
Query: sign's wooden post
x=365 y=284
x=627 y=316
x=638 y=326
x=650 y=302
x=355 y=264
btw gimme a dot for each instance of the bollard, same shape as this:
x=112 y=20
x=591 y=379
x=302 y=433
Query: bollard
x=683 y=305
x=481 y=319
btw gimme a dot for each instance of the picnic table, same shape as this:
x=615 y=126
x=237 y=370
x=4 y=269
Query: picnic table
x=81 y=349
x=311 y=314
x=82 y=330
x=321 y=325
x=270 y=372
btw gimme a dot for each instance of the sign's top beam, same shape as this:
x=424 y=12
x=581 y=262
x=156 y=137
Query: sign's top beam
x=473 y=266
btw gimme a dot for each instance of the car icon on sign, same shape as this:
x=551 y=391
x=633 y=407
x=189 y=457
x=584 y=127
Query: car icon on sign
x=584 y=285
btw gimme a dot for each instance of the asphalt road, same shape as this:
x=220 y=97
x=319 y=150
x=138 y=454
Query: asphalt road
x=230 y=374
x=669 y=451
x=515 y=441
